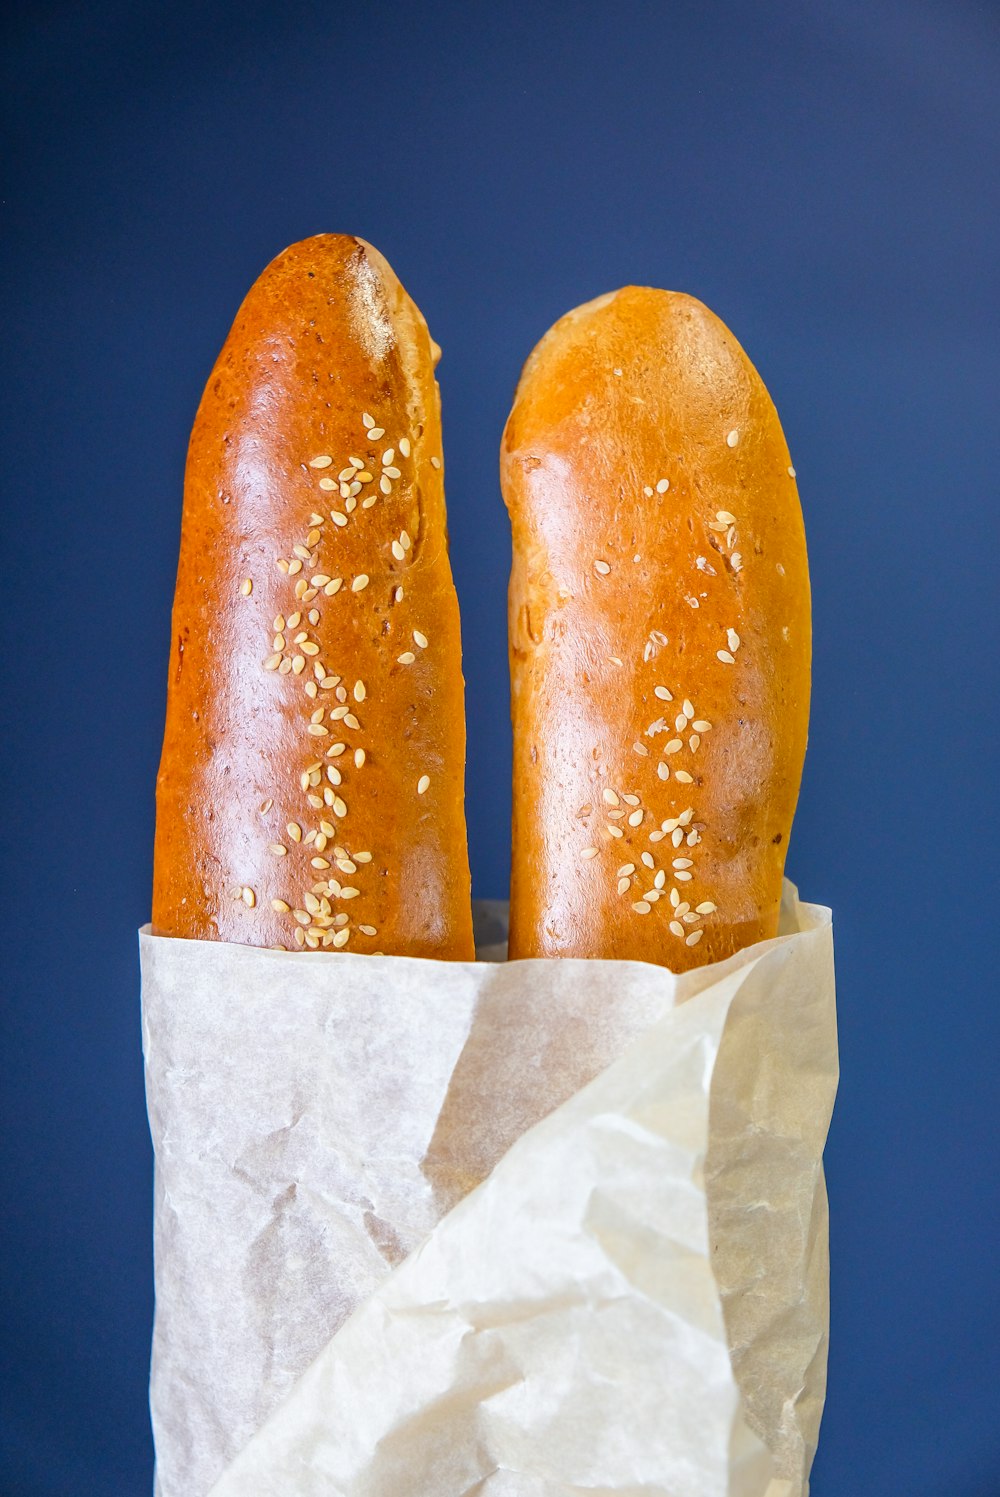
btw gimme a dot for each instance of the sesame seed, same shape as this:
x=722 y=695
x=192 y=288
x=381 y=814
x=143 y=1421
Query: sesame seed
x=249 y=897
x=339 y=808
x=626 y=869
x=392 y=473
x=319 y=862
x=732 y=438
x=350 y=721
x=677 y=836
x=387 y=456
x=647 y=859
x=663 y=771
x=636 y=818
x=359 y=758
x=640 y=748
x=610 y=797
x=732 y=639
x=338 y=518
x=321 y=462
x=663 y=694
x=624 y=884
x=708 y=908
x=435 y=462
x=246 y=587
x=656 y=836
x=680 y=722
x=272 y=662
x=398 y=551
x=677 y=927
x=615 y=831
x=589 y=852
x=663 y=485
x=375 y=433
x=673 y=746
x=641 y=907
x=280 y=906
x=791 y=472
x=404 y=446
x=385 y=485
x=298 y=665
x=423 y=784
x=368 y=930
x=693 y=742
x=725 y=518
x=701 y=726
x=683 y=776
x=682 y=876
x=278 y=848
x=602 y=567
x=360 y=692
x=360 y=583
x=647 y=491
x=694 y=938
x=367 y=421
x=682 y=863
x=407 y=657
x=725 y=657
x=333 y=586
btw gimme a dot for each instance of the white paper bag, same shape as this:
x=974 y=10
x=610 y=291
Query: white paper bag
x=431 y=1229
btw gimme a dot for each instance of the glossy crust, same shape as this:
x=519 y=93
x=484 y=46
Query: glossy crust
x=314 y=752
x=659 y=638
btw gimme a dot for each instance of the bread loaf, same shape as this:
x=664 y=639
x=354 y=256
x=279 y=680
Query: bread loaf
x=311 y=787
x=659 y=638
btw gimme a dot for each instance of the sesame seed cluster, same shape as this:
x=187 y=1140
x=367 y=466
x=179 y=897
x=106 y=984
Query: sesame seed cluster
x=315 y=864
x=643 y=882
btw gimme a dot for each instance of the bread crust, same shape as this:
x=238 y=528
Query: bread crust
x=659 y=582
x=311 y=787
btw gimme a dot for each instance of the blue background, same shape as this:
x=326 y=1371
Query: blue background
x=824 y=176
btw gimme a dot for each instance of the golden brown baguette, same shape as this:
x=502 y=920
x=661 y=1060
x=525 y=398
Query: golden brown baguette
x=311 y=786
x=659 y=638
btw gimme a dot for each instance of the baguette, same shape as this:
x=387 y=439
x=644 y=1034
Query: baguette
x=311 y=788
x=659 y=638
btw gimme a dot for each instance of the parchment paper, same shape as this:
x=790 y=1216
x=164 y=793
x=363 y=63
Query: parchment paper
x=633 y=1300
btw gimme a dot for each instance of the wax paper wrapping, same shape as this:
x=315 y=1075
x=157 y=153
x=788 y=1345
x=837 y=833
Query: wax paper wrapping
x=433 y=1229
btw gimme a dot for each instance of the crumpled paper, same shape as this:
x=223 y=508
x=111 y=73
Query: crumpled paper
x=433 y=1229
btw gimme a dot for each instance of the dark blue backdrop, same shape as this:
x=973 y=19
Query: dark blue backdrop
x=823 y=173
